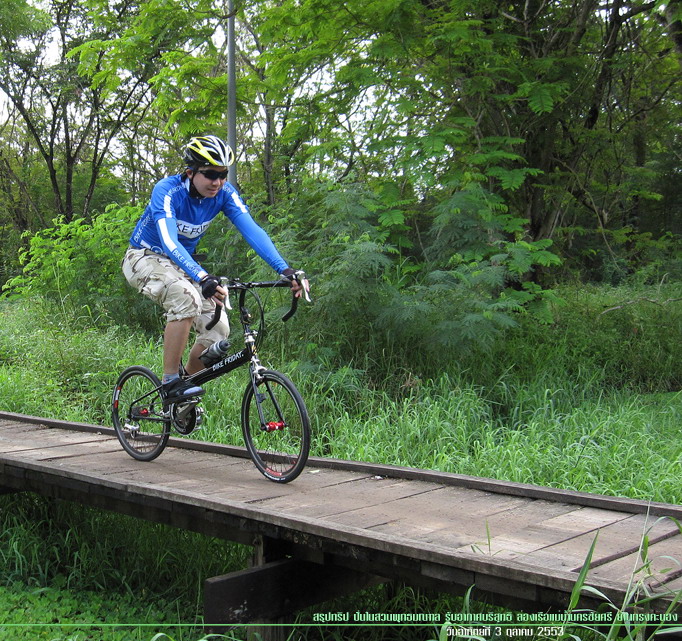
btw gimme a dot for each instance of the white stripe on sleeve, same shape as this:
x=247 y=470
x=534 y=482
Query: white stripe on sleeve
x=165 y=236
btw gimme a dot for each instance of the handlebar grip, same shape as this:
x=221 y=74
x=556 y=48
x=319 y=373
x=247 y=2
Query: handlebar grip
x=292 y=309
x=216 y=317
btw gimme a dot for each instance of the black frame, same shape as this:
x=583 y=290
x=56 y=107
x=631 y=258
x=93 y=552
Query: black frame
x=232 y=361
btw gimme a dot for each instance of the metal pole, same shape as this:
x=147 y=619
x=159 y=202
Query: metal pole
x=231 y=93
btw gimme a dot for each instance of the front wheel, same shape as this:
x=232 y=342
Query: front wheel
x=276 y=426
x=141 y=424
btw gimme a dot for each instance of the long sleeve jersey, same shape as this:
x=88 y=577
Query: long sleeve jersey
x=174 y=222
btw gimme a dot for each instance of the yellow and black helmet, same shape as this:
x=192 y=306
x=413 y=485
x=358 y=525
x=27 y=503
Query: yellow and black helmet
x=208 y=150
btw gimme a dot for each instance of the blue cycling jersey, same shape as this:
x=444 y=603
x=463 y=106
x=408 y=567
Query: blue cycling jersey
x=174 y=222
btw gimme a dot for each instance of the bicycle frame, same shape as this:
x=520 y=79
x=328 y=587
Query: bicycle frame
x=248 y=354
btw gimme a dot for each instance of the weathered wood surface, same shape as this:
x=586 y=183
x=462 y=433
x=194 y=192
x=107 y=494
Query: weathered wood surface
x=522 y=544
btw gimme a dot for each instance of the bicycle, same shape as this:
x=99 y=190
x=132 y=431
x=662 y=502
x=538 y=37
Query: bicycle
x=274 y=419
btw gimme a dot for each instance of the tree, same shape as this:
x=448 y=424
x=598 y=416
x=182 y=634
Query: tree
x=556 y=107
x=72 y=123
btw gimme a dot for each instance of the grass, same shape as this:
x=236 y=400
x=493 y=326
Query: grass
x=68 y=564
x=582 y=410
x=60 y=614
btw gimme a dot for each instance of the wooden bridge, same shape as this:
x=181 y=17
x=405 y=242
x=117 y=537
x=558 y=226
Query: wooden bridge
x=345 y=525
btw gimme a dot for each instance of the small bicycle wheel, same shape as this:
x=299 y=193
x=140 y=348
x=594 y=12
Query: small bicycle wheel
x=276 y=426
x=137 y=411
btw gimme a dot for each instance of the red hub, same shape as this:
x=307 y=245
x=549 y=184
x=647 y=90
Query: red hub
x=273 y=426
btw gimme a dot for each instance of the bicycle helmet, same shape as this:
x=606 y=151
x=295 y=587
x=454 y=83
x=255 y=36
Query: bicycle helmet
x=202 y=151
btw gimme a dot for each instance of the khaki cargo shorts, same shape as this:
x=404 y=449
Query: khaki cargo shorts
x=160 y=279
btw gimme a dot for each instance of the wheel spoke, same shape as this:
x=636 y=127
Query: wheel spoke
x=138 y=414
x=276 y=427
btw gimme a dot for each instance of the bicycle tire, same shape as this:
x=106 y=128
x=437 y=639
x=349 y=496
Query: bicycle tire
x=276 y=426
x=137 y=411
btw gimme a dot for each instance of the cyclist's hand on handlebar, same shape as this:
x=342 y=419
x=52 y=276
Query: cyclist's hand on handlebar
x=299 y=283
x=211 y=288
x=220 y=295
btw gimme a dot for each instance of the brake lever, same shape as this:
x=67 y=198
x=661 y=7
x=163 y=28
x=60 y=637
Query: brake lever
x=226 y=301
x=305 y=286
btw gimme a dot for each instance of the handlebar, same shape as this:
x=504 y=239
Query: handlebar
x=242 y=287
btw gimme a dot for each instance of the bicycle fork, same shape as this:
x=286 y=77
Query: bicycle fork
x=266 y=425
x=260 y=397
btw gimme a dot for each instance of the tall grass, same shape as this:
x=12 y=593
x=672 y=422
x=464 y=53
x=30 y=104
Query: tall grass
x=591 y=403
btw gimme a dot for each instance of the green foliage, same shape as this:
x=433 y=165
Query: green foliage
x=468 y=278
x=84 y=574
x=59 y=614
x=19 y=18
x=76 y=265
x=430 y=98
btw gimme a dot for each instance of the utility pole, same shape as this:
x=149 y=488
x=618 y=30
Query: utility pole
x=231 y=93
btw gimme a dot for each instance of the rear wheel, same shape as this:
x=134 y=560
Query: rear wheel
x=276 y=426
x=138 y=414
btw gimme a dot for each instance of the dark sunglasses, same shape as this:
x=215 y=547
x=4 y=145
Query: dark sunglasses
x=212 y=174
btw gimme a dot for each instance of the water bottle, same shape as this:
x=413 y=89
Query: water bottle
x=215 y=352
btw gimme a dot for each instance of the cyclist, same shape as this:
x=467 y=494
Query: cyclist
x=160 y=265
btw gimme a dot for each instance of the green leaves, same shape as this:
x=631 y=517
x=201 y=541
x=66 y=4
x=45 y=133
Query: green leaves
x=512 y=178
x=541 y=96
x=78 y=264
x=19 y=18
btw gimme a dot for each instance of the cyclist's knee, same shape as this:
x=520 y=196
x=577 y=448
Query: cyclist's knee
x=218 y=332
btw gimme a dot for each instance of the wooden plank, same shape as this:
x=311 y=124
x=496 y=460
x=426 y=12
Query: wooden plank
x=402 y=525
x=36 y=439
x=42 y=420
x=507 y=534
x=663 y=563
x=240 y=481
x=620 y=538
x=457 y=480
x=351 y=493
x=395 y=554
x=19 y=429
x=299 y=488
x=540 y=525
x=12 y=447
x=673 y=587
x=245 y=484
x=457 y=512
x=112 y=463
x=511 y=488
x=173 y=457
x=60 y=453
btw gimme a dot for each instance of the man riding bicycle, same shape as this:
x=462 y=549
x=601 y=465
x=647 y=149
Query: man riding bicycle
x=160 y=265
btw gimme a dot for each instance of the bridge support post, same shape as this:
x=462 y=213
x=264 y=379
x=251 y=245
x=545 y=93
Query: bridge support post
x=271 y=591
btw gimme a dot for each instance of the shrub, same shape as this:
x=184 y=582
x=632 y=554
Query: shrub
x=77 y=266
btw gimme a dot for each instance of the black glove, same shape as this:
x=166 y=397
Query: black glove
x=209 y=284
x=289 y=273
x=293 y=274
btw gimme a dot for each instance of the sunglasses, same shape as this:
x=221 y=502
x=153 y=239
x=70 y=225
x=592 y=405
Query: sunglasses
x=212 y=174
